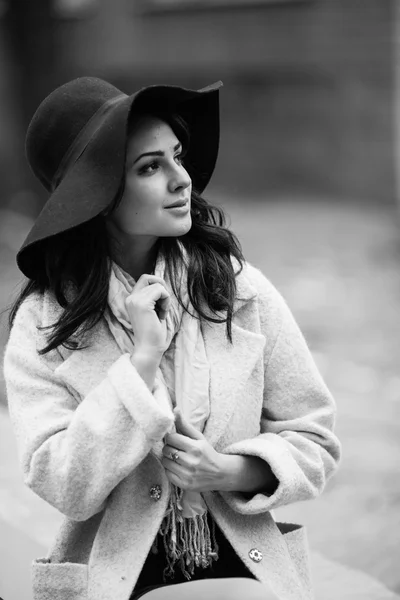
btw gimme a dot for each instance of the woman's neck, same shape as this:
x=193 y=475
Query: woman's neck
x=135 y=254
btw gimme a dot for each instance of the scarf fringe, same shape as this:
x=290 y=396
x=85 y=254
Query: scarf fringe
x=188 y=543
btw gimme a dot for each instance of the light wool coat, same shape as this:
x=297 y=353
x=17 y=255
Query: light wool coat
x=90 y=433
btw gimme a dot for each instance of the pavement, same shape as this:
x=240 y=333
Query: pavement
x=338 y=267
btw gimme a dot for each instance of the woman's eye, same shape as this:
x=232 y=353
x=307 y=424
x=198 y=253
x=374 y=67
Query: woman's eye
x=149 y=168
x=153 y=166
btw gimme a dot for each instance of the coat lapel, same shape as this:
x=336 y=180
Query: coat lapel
x=231 y=365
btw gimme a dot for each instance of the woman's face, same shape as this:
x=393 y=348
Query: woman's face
x=156 y=199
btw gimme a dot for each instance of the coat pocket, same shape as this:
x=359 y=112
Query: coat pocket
x=59 y=581
x=296 y=541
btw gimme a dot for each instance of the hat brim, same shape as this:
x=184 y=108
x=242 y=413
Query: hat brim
x=92 y=183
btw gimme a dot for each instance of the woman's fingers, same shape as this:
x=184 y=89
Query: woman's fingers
x=156 y=291
x=173 y=453
x=160 y=296
x=150 y=292
x=178 y=466
x=178 y=441
x=173 y=478
x=147 y=306
x=145 y=280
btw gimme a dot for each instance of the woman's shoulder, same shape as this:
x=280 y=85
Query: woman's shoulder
x=263 y=287
x=28 y=334
x=39 y=309
x=273 y=309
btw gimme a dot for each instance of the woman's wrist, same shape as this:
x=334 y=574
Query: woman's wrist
x=246 y=474
x=146 y=364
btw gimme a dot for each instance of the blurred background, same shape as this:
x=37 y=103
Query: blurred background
x=308 y=173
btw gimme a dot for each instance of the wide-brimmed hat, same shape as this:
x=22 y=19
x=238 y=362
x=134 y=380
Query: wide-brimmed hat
x=76 y=146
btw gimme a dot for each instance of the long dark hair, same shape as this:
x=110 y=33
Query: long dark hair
x=209 y=246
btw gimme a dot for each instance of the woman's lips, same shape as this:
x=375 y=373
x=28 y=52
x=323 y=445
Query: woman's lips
x=179 y=208
x=178 y=204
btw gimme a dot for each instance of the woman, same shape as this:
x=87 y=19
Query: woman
x=162 y=395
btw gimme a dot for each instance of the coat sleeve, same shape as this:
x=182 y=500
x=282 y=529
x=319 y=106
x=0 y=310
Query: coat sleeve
x=297 y=437
x=74 y=454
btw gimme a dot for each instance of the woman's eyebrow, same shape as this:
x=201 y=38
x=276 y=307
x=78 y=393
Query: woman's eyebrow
x=157 y=152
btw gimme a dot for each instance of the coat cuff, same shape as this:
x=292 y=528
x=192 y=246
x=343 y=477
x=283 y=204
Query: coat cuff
x=273 y=450
x=150 y=410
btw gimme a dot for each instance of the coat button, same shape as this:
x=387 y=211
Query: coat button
x=256 y=555
x=155 y=492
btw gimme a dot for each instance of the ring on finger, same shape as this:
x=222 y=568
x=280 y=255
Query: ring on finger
x=174 y=456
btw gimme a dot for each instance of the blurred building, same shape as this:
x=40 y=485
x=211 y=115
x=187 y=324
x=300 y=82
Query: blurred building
x=308 y=98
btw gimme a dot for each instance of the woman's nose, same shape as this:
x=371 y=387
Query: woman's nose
x=180 y=179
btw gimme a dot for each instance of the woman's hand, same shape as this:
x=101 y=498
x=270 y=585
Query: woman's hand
x=198 y=467
x=147 y=307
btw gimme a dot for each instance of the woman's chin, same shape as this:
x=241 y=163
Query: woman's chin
x=180 y=228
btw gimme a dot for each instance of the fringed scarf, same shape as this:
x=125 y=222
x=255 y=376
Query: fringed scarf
x=184 y=373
